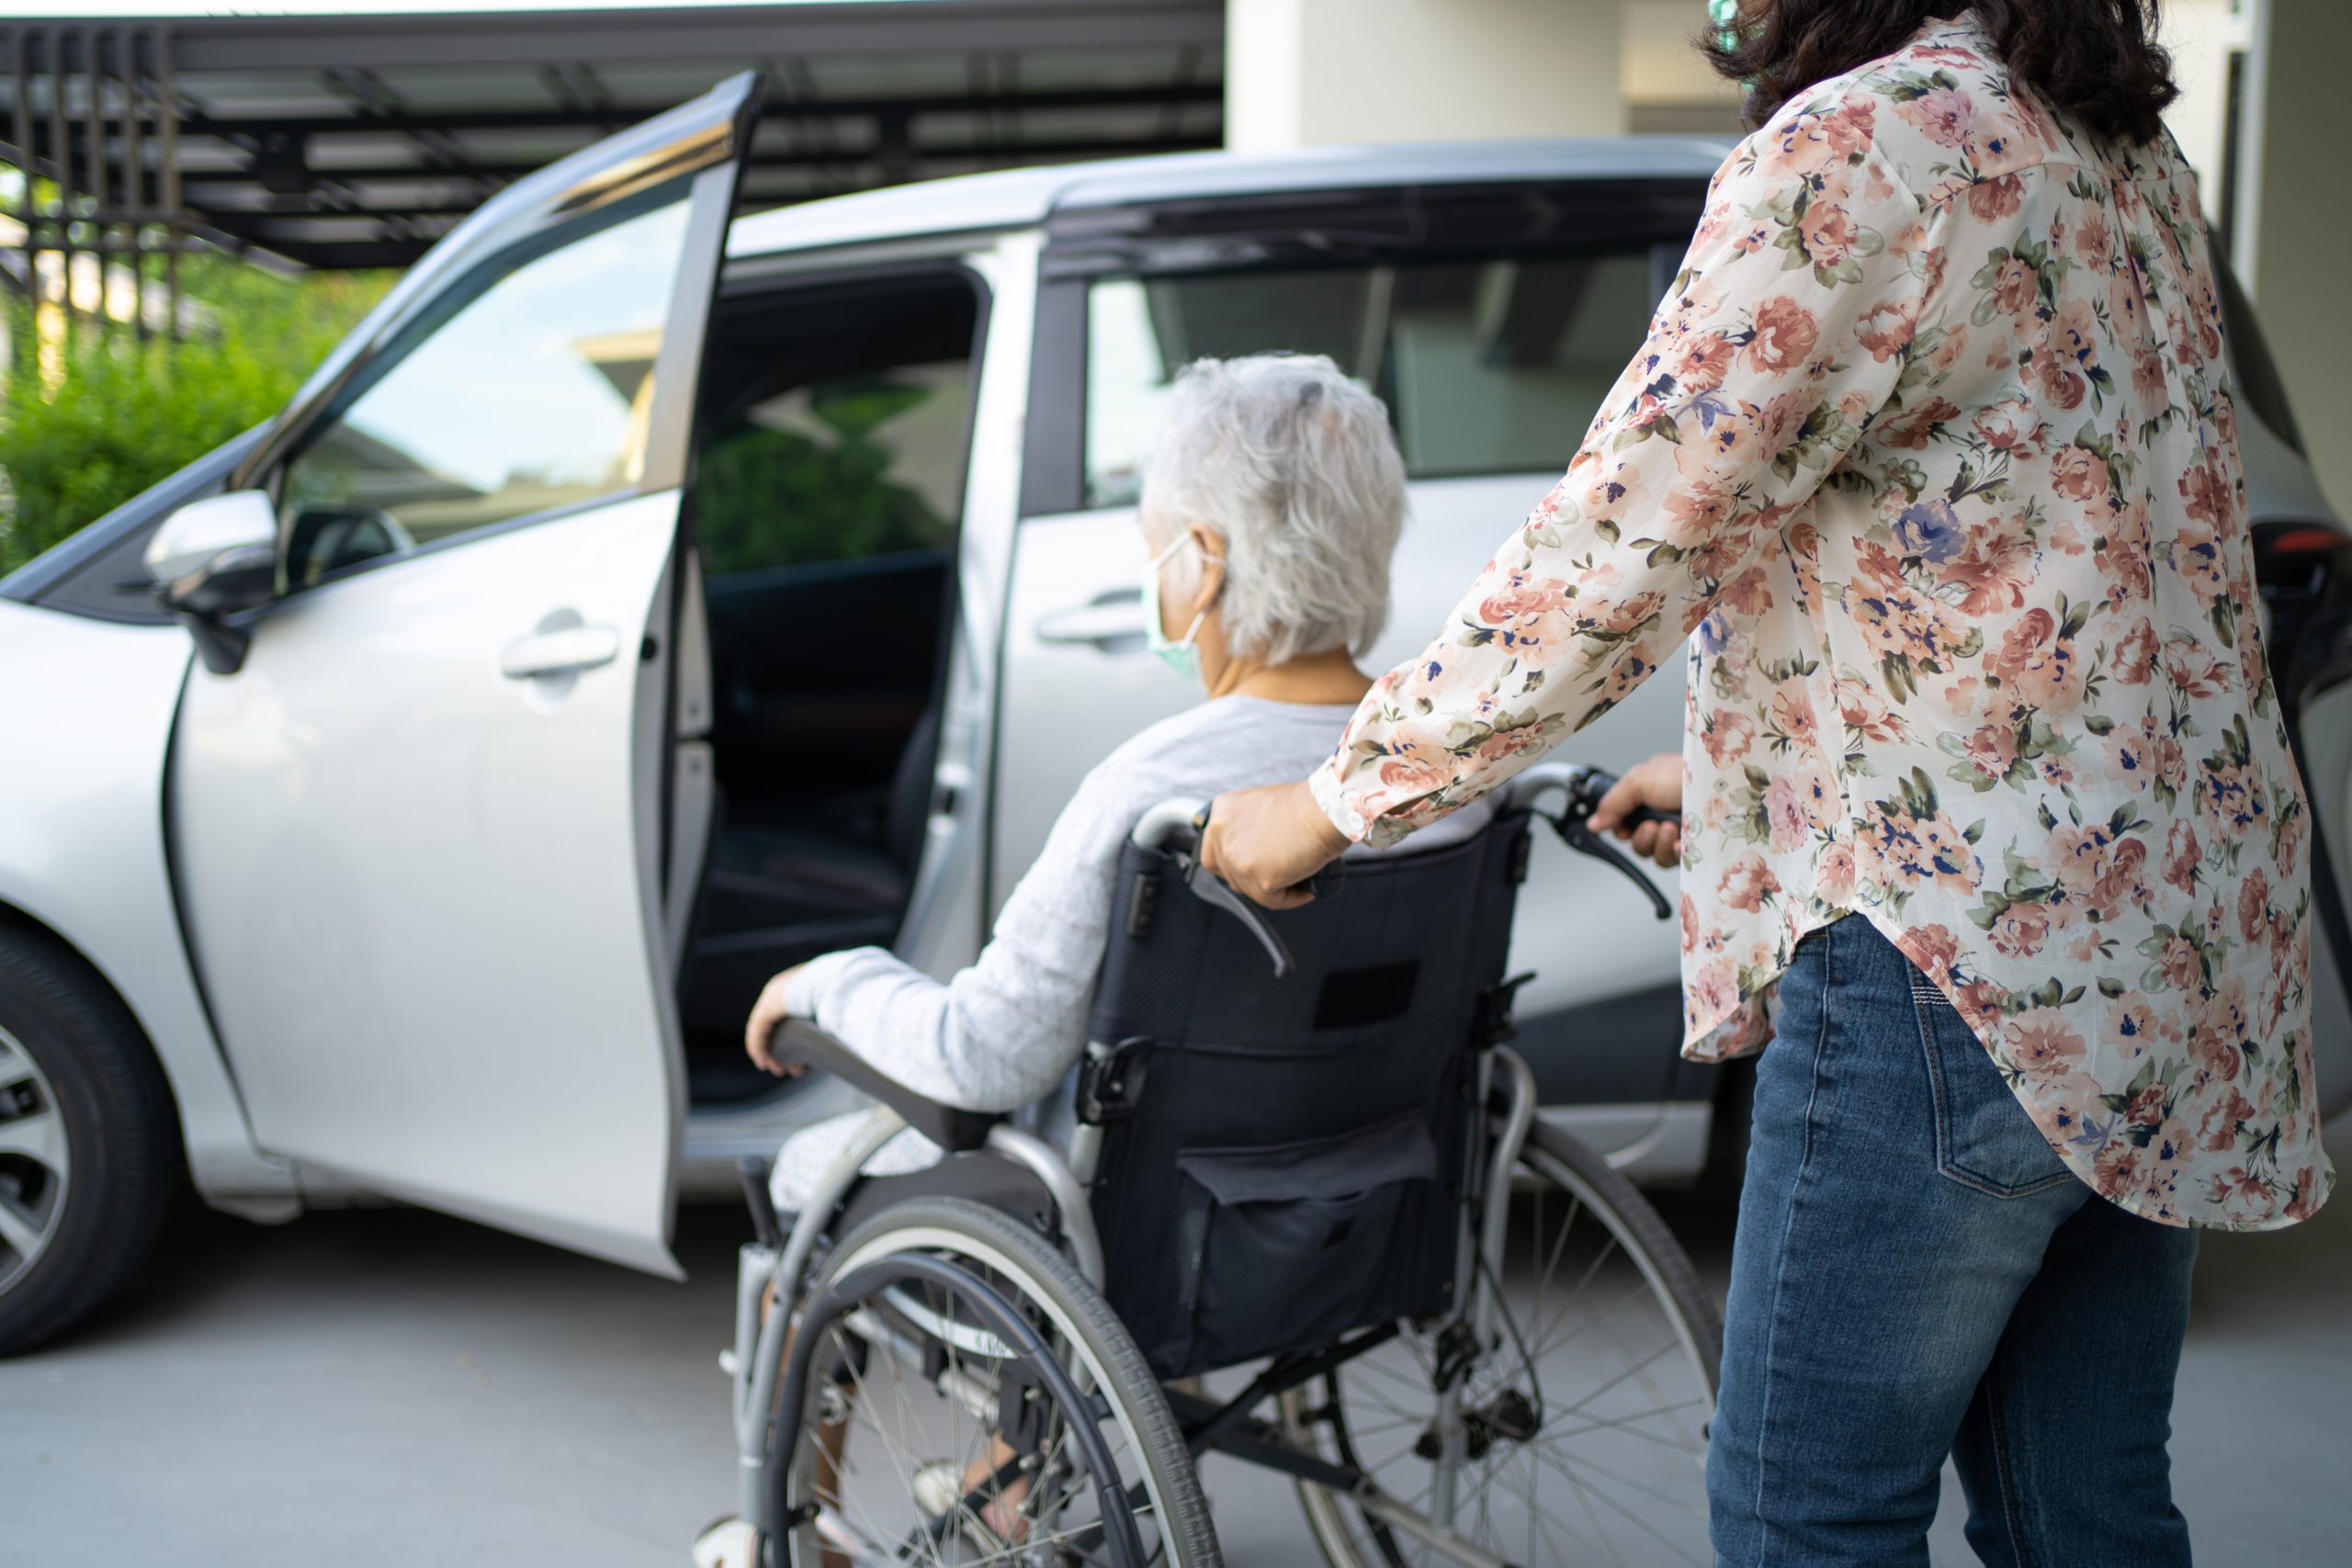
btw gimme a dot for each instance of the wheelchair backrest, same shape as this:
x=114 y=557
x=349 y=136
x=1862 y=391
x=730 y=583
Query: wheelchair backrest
x=1283 y=1158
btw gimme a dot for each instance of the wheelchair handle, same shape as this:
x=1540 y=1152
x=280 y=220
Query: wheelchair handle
x=1174 y=827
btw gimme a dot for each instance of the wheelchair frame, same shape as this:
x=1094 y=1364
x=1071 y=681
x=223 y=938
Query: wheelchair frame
x=767 y=1432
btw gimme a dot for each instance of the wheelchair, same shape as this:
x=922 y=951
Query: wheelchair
x=1309 y=1217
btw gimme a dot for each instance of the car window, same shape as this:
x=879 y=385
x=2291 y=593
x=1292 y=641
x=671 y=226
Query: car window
x=863 y=463
x=535 y=394
x=1487 y=367
x=832 y=427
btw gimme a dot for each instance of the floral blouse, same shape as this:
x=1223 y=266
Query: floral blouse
x=1931 y=459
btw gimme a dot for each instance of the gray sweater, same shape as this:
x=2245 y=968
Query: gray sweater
x=1004 y=1034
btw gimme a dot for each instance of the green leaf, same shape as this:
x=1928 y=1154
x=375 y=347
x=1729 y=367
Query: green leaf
x=123 y=414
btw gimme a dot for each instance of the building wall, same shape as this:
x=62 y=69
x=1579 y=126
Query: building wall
x=1669 y=86
x=1316 y=73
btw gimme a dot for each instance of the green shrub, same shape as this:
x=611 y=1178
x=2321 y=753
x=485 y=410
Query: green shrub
x=128 y=414
x=766 y=497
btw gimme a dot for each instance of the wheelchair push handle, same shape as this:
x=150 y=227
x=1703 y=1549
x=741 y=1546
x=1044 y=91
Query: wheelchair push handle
x=1322 y=885
x=1175 y=828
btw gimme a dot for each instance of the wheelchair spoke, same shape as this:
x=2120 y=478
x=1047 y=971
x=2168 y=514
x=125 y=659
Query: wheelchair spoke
x=1626 y=1425
x=1580 y=1424
x=1541 y=1521
x=1603 y=1497
x=1684 y=1504
x=846 y=1466
x=1584 y=1501
x=950 y=1448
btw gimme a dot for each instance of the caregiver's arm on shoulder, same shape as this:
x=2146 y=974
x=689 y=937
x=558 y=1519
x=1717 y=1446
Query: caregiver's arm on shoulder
x=1784 y=333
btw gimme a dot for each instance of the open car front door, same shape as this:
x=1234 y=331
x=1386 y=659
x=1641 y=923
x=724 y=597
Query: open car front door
x=418 y=833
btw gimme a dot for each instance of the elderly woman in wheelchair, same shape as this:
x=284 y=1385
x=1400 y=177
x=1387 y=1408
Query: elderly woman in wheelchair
x=1154 y=1132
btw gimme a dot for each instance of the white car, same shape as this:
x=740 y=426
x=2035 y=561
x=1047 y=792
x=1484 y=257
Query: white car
x=409 y=799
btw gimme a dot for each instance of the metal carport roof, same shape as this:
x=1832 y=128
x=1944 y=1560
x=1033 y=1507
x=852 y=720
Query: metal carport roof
x=357 y=140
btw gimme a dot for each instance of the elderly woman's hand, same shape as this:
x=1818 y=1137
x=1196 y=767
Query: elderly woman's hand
x=767 y=1013
x=1266 y=841
x=1656 y=784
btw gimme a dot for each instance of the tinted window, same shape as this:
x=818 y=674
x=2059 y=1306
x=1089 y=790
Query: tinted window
x=863 y=463
x=832 y=425
x=533 y=395
x=1492 y=367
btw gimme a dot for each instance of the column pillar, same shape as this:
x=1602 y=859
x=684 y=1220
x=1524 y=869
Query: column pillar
x=1318 y=72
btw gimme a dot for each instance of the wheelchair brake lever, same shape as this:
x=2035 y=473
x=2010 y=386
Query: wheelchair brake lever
x=1584 y=840
x=1573 y=823
x=1210 y=888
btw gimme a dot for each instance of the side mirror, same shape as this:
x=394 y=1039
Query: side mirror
x=211 y=559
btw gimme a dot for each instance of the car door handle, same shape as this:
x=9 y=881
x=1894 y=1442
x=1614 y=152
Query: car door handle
x=1105 y=621
x=560 y=652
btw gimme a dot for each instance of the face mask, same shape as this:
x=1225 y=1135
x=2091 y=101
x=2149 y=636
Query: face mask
x=1181 y=657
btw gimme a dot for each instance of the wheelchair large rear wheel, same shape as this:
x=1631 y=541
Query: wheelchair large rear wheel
x=926 y=1437
x=1578 y=1435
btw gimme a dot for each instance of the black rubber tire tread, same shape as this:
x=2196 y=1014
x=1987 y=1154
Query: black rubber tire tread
x=1186 y=1524
x=121 y=1128
x=1657 y=1241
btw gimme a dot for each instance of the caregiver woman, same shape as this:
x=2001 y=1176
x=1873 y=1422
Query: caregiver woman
x=1931 y=456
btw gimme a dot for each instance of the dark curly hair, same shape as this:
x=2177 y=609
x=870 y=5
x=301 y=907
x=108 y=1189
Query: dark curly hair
x=2095 y=61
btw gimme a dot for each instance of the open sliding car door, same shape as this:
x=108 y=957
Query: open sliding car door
x=418 y=833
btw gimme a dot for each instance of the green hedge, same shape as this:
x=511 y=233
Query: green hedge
x=128 y=414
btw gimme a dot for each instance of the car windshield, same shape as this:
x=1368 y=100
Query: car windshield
x=1486 y=366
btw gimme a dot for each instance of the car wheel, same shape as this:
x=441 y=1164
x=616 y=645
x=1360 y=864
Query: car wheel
x=89 y=1144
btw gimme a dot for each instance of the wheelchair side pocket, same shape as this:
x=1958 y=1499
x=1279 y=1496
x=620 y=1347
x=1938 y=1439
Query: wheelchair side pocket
x=1298 y=1243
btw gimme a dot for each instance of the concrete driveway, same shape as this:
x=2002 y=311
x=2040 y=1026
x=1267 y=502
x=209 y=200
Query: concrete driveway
x=388 y=1389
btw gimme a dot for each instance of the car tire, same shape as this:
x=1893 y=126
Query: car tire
x=90 y=1162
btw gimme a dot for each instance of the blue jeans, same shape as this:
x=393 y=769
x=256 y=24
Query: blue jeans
x=1915 y=1274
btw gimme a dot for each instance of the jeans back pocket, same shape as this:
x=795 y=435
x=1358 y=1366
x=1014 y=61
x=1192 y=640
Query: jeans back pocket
x=1984 y=1139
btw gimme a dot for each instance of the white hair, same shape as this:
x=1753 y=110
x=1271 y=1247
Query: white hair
x=1294 y=465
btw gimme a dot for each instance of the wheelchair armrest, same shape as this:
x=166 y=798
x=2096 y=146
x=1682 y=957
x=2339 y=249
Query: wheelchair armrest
x=798 y=1040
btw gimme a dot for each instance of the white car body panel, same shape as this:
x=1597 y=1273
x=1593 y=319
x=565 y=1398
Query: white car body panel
x=419 y=889
x=1015 y=198
x=87 y=710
